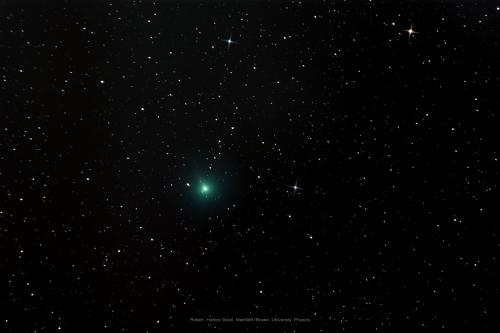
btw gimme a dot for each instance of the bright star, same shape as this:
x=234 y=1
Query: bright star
x=295 y=187
x=410 y=32
x=229 y=41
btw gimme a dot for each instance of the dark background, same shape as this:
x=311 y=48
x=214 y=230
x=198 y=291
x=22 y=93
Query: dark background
x=389 y=137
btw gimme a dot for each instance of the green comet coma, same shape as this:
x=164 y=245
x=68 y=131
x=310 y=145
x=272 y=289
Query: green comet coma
x=204 y=189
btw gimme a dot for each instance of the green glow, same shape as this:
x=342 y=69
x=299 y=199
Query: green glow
x=205 y=189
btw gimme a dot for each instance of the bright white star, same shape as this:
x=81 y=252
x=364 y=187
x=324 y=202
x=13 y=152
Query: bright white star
x=229 y=41
x=295 y=187
x=410 y=32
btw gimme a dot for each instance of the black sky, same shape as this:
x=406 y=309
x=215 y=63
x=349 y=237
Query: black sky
x=112 y=115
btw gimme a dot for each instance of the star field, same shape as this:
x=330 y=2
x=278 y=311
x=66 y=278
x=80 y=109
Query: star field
x=286 y=166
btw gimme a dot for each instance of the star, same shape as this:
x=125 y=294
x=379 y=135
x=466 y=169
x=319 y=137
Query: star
x=295 y=187
x=410 y=32
x=229 y=41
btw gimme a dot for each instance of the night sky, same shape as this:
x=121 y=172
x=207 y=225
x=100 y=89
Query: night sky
x=287 y=166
